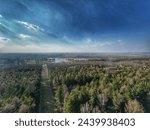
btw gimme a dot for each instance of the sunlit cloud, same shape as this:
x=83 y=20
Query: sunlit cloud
x=36 y=48
x=30 y=26
x=84 y=47
x=89 y=42
x=24 y=36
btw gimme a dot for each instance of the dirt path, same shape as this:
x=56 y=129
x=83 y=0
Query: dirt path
x=46 y=93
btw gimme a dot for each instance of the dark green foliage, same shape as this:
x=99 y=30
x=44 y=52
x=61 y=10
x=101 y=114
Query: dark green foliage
x=19 y=89
x=92 y=88
x=77 y=88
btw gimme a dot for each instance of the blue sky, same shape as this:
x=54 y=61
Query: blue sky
x=74 y=26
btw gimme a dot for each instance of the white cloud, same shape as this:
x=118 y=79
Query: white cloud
x=1 y=46
x=30 y=26
x=93 y=44
x=3 y=42
x=86 y=45
x=31 y=47
x=24 y=36
x=36 y=48
x=1 y=16
x=4 y=39
x=78 y=47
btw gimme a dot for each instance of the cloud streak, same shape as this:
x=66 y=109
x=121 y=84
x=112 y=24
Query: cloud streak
x=1 y=16
x=24 y=36
x=4 y=39
x=30 y=26
x=74 y=26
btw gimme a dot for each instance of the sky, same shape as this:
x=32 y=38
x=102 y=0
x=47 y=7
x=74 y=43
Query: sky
x=74 y=26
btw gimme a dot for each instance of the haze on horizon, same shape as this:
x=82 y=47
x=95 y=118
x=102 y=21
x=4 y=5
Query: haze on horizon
x=74 y=26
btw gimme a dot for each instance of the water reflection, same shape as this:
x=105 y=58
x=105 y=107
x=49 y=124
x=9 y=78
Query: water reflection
x=64 y=60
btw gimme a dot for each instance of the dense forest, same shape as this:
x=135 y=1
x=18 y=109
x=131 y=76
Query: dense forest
x=19 y=89
x=93 y=88
x=76 y=86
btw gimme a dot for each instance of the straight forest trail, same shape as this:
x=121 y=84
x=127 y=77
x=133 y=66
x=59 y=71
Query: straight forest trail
x=46 y=93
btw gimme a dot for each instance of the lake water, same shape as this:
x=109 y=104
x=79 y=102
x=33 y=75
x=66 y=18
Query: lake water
x=62 y=60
